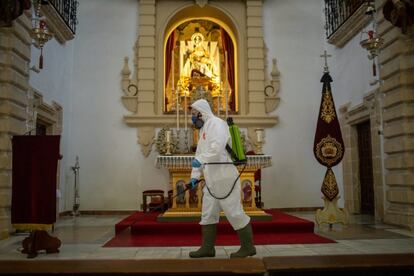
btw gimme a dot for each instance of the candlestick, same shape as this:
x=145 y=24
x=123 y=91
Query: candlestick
x=178 y=112
x=226 y=86
x=177 y=107
x=220 y=89
x=75 y=211
x=178 y=140
x=259 y=134
x=226 y=101
x=185 y=111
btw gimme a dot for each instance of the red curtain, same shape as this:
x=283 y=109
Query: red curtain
x=34 y=173
x=229 y=48
x=169 y=48
x=168 y=61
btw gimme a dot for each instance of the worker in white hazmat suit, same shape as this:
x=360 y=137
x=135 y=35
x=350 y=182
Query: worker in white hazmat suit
x=219 y=179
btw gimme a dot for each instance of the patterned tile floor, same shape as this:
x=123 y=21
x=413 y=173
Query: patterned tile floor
x=83 y=237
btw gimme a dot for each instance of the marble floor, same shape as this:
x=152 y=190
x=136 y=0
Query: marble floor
x=83 y=237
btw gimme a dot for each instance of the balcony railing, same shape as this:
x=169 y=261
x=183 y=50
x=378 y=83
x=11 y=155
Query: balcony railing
x=67 y=11
x=337 y=12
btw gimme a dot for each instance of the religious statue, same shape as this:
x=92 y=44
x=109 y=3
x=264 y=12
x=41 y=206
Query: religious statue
x=198 y=57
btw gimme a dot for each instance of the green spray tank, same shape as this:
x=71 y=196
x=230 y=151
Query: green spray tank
x=236 y=150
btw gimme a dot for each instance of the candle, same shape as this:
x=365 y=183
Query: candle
x=177 y=107
x=226 y=85
x=178 y=113
x=218 y=104
x=168 y=136
x=259 y=134
x=172 y=70
x=185 y=111
x=220 y=90
x=227 y=108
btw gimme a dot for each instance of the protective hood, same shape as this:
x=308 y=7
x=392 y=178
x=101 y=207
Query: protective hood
x=204 y=108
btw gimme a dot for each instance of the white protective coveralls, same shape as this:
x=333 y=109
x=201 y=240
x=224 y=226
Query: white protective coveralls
x=211 y=147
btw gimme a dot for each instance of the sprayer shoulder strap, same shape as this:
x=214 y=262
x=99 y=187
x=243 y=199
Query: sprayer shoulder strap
x=231 y=152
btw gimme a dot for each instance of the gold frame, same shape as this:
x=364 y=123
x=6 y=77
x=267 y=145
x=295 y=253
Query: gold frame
x=171 y=28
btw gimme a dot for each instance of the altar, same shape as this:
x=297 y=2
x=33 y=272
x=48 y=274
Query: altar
x=187 y=205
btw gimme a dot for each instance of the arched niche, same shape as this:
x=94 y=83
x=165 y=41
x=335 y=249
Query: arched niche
x=199 y=53
x=190 y=13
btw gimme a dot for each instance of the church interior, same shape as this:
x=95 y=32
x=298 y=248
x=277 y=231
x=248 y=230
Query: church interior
x=97 y=138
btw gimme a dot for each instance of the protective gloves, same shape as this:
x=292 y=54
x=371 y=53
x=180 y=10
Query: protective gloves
x=193 y=183
x=195 y=163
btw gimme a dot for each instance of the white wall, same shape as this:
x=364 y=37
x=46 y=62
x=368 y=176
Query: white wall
x=113 y=170
x=54 y=83
x=294 y=35
x=351 y=71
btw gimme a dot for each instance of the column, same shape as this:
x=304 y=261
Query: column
x=397 y=64
x=14 y=88
x=145 y=60
x=255 y=58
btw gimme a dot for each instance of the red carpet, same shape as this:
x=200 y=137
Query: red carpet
x=142 y=230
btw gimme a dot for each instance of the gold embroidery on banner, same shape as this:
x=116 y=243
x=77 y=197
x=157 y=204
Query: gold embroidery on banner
x=329 y=185
x=328 y=150
x=328 y=110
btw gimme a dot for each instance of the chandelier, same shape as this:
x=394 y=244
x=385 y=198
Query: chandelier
x=40 y=32
x=371 y=42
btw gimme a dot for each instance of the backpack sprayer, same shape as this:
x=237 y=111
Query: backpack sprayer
x=236 y=151
x=237 y=154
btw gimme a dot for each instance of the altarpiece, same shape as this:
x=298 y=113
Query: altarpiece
x=188 y=50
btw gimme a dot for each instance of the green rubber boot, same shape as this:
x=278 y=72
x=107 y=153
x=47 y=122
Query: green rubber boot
x=209 y=240
x=246 y=240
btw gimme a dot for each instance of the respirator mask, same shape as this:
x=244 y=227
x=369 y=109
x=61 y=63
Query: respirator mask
x=197 y=121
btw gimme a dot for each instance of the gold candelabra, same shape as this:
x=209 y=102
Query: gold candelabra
x=168 y=142
x=372 y=44
x=259 y=140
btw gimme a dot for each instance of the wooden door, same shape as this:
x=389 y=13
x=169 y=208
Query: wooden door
x=365 y=168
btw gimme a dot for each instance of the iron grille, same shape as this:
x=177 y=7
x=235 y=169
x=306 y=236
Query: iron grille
x=337 y=12
x=67 y=10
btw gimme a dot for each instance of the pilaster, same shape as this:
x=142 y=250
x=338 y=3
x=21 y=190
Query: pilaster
x=255 y=58
x=397 y=67
x=145 y=58
x=15 y=44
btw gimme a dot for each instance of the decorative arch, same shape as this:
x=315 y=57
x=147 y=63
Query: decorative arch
x=218 y=50
x=187 y=12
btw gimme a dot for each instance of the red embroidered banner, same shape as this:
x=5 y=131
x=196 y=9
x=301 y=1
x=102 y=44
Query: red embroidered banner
x=328 y=146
